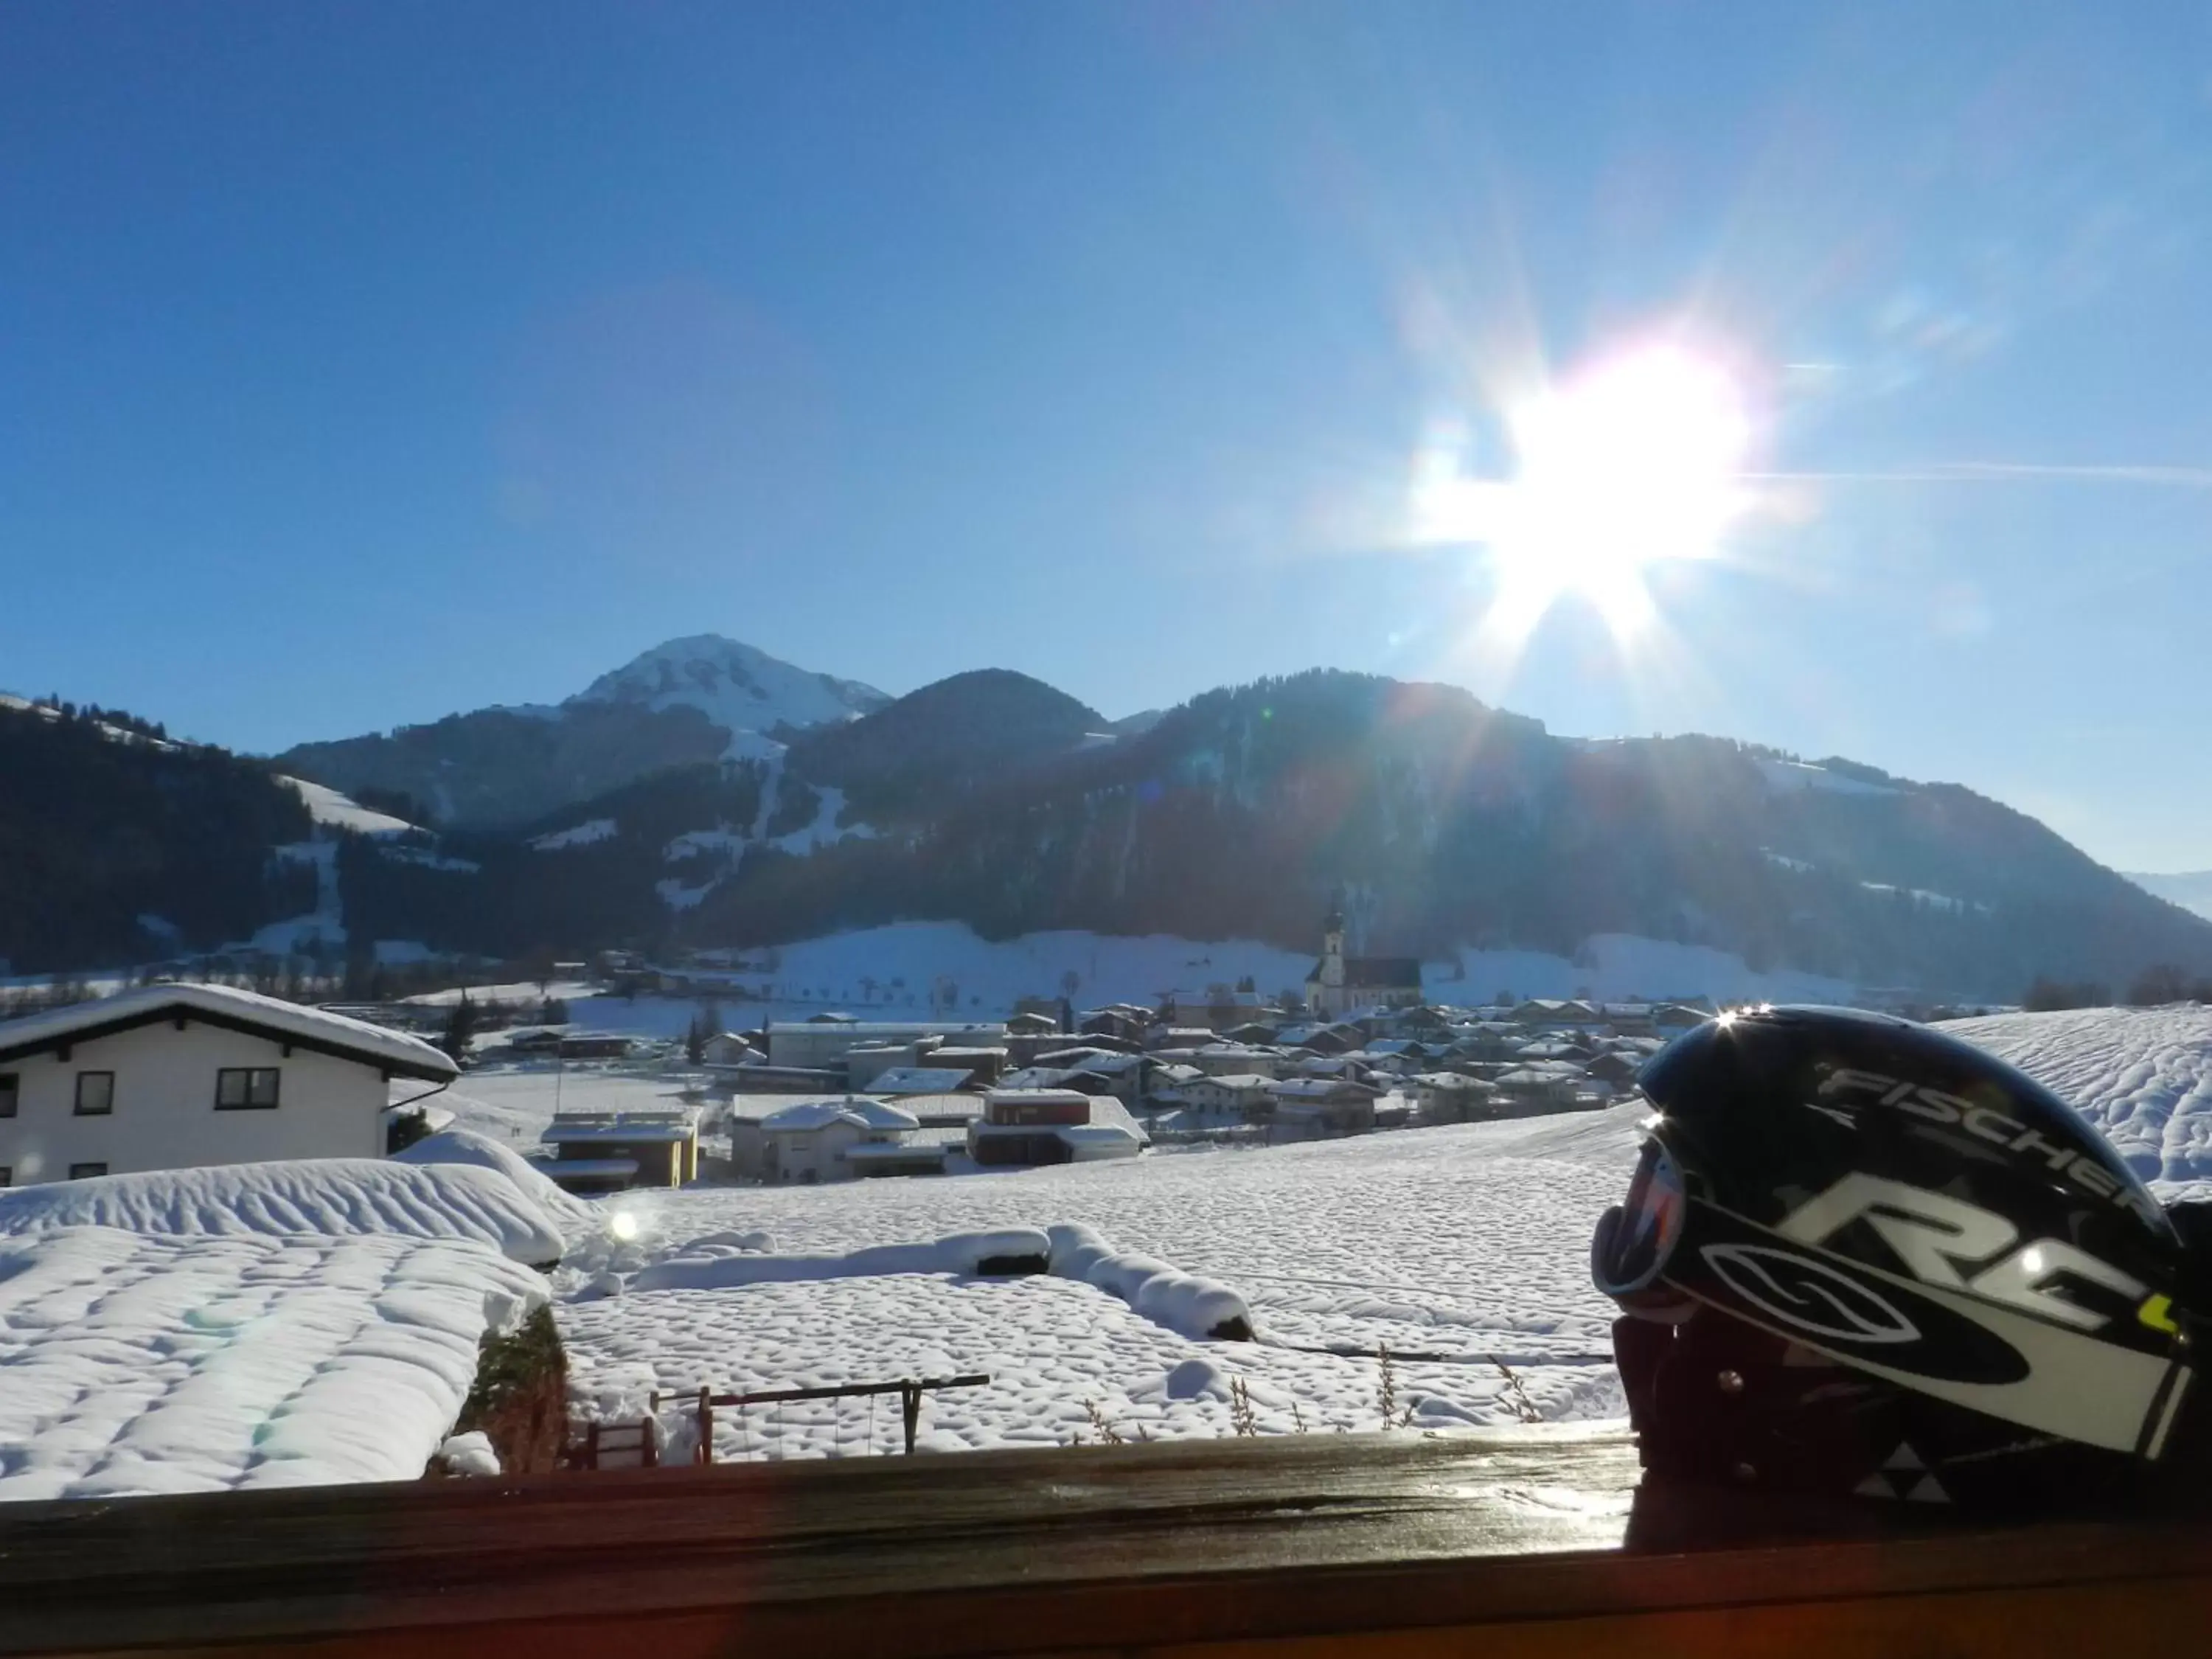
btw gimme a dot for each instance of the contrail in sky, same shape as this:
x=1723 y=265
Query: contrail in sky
x=2169 y=477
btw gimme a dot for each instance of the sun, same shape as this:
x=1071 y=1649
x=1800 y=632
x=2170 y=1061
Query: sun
x=1635 y=460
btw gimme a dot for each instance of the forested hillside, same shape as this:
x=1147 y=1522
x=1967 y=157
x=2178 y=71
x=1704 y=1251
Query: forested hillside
x=117 y=845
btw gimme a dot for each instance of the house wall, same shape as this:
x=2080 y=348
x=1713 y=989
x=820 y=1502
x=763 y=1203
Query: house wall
x=165 y=1116
x=800 y=1154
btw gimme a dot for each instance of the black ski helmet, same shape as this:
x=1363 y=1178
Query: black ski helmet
x=1861 y=1254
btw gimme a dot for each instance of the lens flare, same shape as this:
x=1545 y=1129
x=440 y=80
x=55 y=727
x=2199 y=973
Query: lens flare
x=623 y=1226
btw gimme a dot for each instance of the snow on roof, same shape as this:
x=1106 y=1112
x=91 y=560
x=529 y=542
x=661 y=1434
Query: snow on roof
x=237 y=1362
x=563 y=1131
x=920 y=1080
x=219 y=1005
x=1234 y=1080
x=335 y=1197
x=1036 y=1096
x=467 y=1146
x=820 y=1113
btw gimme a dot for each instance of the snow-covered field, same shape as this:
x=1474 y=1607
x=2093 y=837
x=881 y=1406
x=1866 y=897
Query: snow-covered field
x=1457 y=1248
x=2141 y=1075
x=896 y=967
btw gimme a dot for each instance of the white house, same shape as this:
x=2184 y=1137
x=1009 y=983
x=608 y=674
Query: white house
x=816 y=1141
x=174 y=1077
x=1241 y=1092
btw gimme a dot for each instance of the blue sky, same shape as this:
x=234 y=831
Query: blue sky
x=362 y=363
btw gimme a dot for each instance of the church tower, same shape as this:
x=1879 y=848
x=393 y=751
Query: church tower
x=1332 y=948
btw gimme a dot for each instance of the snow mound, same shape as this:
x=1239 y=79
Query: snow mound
x=1184 y=1302
x=134 y=1363
x=470 y=1454
x=467 y=1146
x=333 y=1197
x=2143 y=1076
x=719 y=1266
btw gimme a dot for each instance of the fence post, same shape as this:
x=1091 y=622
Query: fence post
x=705 y=1452
x=910 y=1406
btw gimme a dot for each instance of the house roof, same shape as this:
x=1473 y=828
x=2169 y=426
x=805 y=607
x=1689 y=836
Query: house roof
x=1246 y=1080
x=561 y=1133
x=920 y=1080
x=859 y=1110
x=337 y=1034
x=1036 y=1096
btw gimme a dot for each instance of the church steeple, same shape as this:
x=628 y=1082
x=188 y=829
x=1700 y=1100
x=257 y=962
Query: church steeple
x=1332 y=946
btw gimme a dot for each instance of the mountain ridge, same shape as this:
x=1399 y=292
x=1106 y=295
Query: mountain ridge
x=632 y=817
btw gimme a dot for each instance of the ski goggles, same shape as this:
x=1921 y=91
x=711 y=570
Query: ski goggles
x=1636 y=1237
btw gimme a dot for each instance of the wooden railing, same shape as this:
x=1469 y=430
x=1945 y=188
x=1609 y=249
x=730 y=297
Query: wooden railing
x=910 y=1390
x=1512 y=1543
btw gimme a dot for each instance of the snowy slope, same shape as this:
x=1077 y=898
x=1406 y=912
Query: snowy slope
x=1457 y=1247
x=333 y=1197
x=137 y=1364
x=334 y=810
x=2141 y=1075
x=737 y=687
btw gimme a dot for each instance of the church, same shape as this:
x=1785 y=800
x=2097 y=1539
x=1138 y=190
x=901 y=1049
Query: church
x=1340 y=985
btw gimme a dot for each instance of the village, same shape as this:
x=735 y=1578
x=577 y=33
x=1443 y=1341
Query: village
x=838 y=1096
x=834 y=1096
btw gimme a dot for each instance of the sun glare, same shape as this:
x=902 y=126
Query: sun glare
x=1635 y=460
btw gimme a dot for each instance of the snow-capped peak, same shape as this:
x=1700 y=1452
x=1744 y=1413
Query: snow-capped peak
x=739 y=687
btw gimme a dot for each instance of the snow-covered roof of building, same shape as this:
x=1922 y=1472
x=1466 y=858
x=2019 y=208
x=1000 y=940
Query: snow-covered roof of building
x=334 y=1197
x=1243 y=1080
x=1036 y=1096
x=858 y=1109
x=237 y=1362
x=920 y=1080
x=1320 y=1088
x=233 y=1010
x=563 y=1131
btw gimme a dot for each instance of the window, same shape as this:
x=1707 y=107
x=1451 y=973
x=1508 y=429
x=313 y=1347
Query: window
x=10 y=1088
x=244 y=1088
x=86 y=1171
x=95 y=1096
x=7 y=1176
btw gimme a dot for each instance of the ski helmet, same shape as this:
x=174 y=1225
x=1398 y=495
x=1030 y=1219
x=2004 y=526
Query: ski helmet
x=1859 y=1254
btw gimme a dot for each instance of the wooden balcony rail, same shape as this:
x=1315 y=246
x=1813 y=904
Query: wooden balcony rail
x=1518 y=1543
x=910 y=1390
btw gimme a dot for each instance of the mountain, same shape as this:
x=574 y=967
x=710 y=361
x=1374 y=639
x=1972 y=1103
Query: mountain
x=119 y=844
x=992 y=799
x=740 y=689
x=707 y=795
x=691 y=701
x=2191 y=888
